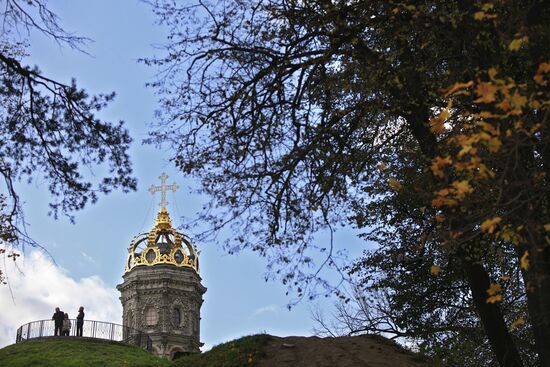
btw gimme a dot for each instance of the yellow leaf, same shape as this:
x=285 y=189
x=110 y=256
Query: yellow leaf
x=458 y=87
x=494 y=145
x=524 y=261
x=547 y=227
x=517 y=43
x=467 y=148
x=544 y=68
x=539 y=76
x=489 y=224
x=490 y=128
x=487 y=6
x=438 y=124
x=505 y=105
x=462 y=188
x=517 y=324
x=394 y=184
x=435 y=270
x=494 y=299
x=480 y=15
x=509 y=235
x=486 y=92
x=539 y=79
x=440 y=201
x=438 y=164
x=487 y=114
x=518 y=101
x=494 y=289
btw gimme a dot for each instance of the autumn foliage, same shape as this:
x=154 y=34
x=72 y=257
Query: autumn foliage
x=423 y=124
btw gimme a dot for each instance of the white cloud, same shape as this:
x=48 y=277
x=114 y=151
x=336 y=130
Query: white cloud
x=266 y=309
x=38 y=286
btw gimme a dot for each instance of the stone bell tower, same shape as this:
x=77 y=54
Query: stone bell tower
x=162 y=292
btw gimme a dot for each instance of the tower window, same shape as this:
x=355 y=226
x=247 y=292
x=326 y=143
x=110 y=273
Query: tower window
x=178 y=256
x=150 y=256
x=176 y=317
x=151 y=316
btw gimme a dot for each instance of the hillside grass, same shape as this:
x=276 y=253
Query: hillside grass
x=76 y=352
x=243 y=352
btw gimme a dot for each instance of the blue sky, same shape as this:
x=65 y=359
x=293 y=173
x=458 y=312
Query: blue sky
x=90 y=254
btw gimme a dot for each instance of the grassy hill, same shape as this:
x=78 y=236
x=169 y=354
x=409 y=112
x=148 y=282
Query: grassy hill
x=72 y=352
x=243 y=352
x=249 y=351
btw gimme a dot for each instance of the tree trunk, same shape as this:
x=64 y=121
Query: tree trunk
x=491 y=318
x=537 y=283
x=490 y=315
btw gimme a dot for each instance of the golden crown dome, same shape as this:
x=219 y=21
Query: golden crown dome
x=162 y=244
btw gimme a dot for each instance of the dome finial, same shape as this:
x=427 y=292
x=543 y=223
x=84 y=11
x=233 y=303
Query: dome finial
x=163 y=188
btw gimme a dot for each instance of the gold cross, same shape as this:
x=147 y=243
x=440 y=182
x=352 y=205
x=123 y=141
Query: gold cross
x=163 y=188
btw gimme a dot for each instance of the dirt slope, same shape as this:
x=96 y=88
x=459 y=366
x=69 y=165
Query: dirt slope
x=356 y=351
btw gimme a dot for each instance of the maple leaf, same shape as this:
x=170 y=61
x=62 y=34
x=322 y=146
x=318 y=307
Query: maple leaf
x=462 y=188
x=435 y=270
x=458 y=88
x=494 y=145
x=481 y=15
x=518 y=101
x=437 y=124
x=524 y=261
x=488 y=127
x=544 y=68
x=438 y=164
x=517 y=324
x=486 y=92
x=495 y=293
x=494 y=299
x=394 y=184
x=492 y=73
x=489 y=224
x=509 y=235
x=517 y=43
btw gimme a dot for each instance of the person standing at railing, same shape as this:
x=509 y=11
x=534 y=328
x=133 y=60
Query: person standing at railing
x=79 y=321
x=58 y=317
x=66 y=325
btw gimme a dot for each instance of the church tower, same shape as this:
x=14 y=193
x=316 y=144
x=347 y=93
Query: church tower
x=162 y=292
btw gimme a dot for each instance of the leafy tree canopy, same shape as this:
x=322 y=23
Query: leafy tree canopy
x=49 y=130
x=424 y=123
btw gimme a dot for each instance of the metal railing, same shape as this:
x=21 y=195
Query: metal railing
x=90 y=329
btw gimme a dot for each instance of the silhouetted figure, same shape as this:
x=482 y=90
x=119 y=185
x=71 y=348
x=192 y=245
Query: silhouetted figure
x=58 y=317
x=79 y=321
x=66 y=325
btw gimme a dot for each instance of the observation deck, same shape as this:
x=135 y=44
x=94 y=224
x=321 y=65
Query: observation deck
x=91 y=329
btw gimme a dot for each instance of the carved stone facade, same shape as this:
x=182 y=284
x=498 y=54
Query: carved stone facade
x=164 y=301
x=162 y=292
